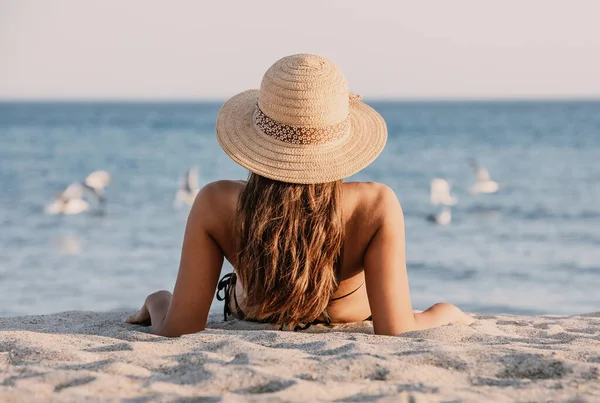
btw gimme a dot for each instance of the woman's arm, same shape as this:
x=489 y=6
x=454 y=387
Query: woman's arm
x=186 y=311
x=387 y=279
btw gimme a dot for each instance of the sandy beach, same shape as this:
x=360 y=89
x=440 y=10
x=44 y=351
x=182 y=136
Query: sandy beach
x=87 y=356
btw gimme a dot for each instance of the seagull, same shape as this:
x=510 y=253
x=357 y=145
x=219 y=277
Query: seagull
x=442 y=218
x=95 y=184
x=188 y=187
x=71 y=201
x=483 y=181
x=440 y=193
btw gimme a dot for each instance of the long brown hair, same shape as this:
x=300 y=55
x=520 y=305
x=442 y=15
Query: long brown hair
x=290 y=245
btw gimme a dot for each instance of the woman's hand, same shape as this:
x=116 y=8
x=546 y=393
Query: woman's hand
x=441 y=314
x=141 y=317
x=154 y=310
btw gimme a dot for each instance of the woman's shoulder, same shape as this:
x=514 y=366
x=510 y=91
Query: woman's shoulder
x=368 y=204
x=219 y=199
x=223 y=188
x=367 y=187
x=370 y=195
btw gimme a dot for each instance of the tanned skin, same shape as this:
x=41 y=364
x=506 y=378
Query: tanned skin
x=374 y=253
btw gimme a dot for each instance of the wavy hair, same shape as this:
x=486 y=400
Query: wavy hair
x=290 y=245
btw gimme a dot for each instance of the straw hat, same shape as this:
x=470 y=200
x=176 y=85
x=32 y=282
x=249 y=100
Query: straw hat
x=302 y=126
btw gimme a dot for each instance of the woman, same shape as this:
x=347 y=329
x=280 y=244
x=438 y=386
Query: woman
x=306 y=247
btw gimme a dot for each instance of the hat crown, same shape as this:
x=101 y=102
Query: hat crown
x=304 y=90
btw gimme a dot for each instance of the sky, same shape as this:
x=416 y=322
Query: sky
x=145 y=49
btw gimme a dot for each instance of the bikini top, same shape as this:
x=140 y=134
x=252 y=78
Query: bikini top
x=227 y=284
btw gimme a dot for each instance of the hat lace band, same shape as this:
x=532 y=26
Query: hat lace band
x=299 y=135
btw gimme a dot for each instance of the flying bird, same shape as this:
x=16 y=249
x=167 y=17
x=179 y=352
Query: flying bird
x=440 y=193
x=95 y=184
x=71 y=199
x=188 y=187
x=483 y=181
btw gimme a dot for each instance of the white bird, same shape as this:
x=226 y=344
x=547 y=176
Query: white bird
x=443 y=218
x=95 y=184
x=483 y=181
x=440 y=193
x=71 y=201
x=188 y=187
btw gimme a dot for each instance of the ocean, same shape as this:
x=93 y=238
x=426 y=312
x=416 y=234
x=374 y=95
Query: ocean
x=532 y=248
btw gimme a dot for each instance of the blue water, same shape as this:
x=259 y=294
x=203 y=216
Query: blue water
x=532 y=248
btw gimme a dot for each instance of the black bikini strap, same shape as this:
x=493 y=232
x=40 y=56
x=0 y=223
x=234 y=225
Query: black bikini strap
x=224 y=286
x=227 y=285
x=350 y=293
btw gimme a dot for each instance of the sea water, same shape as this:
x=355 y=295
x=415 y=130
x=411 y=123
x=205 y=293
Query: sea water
x=531 y=248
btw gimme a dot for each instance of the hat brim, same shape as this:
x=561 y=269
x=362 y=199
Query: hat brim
x=294 y=163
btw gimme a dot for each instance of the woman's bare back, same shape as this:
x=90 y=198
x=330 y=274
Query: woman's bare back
x=359 y=206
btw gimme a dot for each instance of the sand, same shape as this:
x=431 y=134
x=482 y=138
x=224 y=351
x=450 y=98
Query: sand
x=87 y=356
